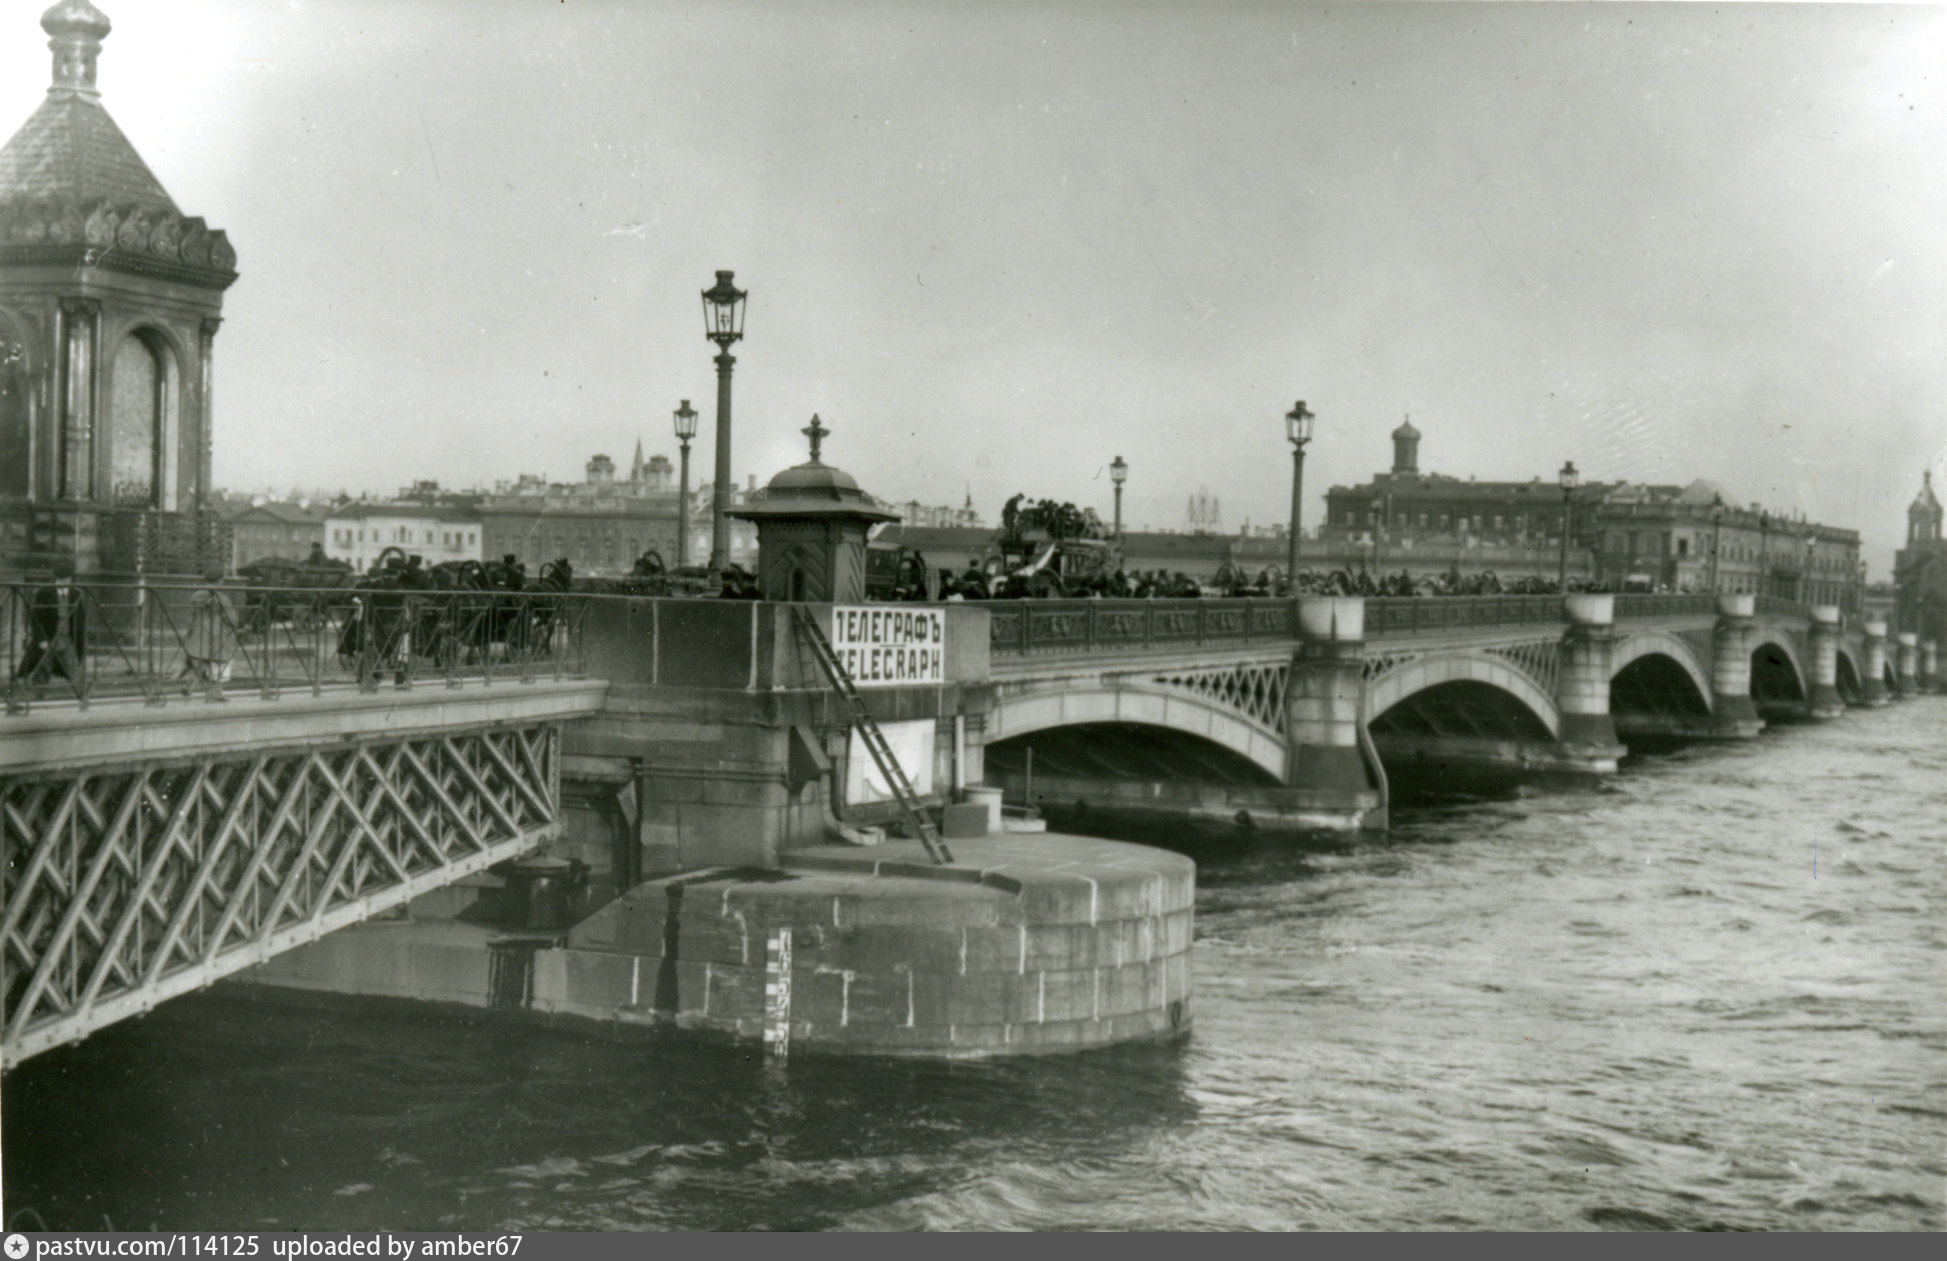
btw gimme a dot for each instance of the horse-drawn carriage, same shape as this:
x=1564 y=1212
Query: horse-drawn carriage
x=404 y=614
x=303 y=593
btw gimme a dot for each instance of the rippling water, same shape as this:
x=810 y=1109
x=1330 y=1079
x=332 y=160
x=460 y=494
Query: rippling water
x=1708 y=995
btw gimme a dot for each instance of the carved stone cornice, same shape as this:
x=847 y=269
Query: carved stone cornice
x=140 y=240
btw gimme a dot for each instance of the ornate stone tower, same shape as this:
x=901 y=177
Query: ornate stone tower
x=1406 y=450
x=811 y=525
x=1923 y=515
x=1920 y=569
x=110 y=299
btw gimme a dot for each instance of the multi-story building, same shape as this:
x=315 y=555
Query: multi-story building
x=361 y=530
x=273 y=529
x=1662 y=537
x=1920 y=569
x=601 y=524
x=1694 y=539
x=1426 y=522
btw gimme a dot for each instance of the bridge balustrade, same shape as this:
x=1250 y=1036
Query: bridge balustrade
x=1407 y=615
x=1045 y=627
x=144 y=640
x=1781 y=606
x=1665 y=604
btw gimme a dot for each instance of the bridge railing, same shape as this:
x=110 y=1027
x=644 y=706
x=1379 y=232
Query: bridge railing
x=1028 y=627
x=1408 y=615
x=157 y=642
x=1686 y=604
x=1780 y=606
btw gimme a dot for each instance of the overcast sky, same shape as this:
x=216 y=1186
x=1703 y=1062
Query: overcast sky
x=994 y=245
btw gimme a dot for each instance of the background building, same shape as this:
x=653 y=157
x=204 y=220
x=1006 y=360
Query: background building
x=273 y=529
x=600 y=524
x=1653 y=537
x=361 y=530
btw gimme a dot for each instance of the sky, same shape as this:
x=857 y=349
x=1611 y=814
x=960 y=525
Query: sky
x=994 y=245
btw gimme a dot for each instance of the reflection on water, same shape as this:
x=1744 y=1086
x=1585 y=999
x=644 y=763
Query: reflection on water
x=1705 y=995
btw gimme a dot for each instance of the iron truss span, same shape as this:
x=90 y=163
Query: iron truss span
x=128 y=886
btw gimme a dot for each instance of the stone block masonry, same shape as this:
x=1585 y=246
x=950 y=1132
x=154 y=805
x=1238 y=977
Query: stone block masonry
x=1027 y=943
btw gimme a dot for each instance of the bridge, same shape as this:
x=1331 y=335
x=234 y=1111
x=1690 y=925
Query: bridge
x=1291 y=713
x=160 y=833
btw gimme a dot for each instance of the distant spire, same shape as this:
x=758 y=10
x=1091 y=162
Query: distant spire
x=635 y=469
x=76 y=29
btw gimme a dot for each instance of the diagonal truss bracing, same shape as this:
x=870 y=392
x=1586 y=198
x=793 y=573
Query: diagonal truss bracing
x=1253 y=690
x=125 y=886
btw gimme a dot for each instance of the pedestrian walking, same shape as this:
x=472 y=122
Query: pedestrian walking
x=57 y=631
x=212 y=640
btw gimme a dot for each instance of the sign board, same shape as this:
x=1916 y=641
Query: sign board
x=886 y=645
x=911 y=743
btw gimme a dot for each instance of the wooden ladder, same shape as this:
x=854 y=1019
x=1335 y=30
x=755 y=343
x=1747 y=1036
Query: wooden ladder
x=873 y=739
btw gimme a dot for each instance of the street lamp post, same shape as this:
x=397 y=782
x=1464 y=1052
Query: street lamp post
x=1118 y=473
x=1569 y=478
x=1297 y=427
x=723 y=323
x=1805 y=574
x=1716 y=536
x=685 y=430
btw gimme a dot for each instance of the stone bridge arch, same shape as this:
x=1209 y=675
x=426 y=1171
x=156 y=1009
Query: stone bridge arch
x=1645 y=643
x=1137 y=702
x=1850 y=672
x=1420 y=674
x=1781 y=643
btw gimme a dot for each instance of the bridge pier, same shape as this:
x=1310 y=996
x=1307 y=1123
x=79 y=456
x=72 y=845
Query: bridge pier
x=1872 y=688
x=1825 y=701
x=1582 y=692
x=1908 y=670
x=1331 y=773
x=1734 y=716
x=1930 y=667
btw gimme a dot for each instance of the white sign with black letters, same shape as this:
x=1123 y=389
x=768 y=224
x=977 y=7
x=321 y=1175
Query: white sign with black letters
x=885 y=645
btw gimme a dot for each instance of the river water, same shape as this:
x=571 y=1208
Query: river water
x=1710 y=994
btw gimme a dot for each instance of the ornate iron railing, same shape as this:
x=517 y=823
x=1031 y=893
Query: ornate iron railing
x=1639 y=604
x=1780 y=606
x=161 y=642
x=1026 y=627
x=1410 y=615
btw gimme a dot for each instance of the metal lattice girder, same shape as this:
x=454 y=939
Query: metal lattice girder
x=1253 y=690
x=128 y=886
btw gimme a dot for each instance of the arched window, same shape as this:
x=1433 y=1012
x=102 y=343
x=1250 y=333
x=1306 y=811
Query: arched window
x=138 y=421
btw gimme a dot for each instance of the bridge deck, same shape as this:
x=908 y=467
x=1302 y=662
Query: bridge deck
x=120 y=732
